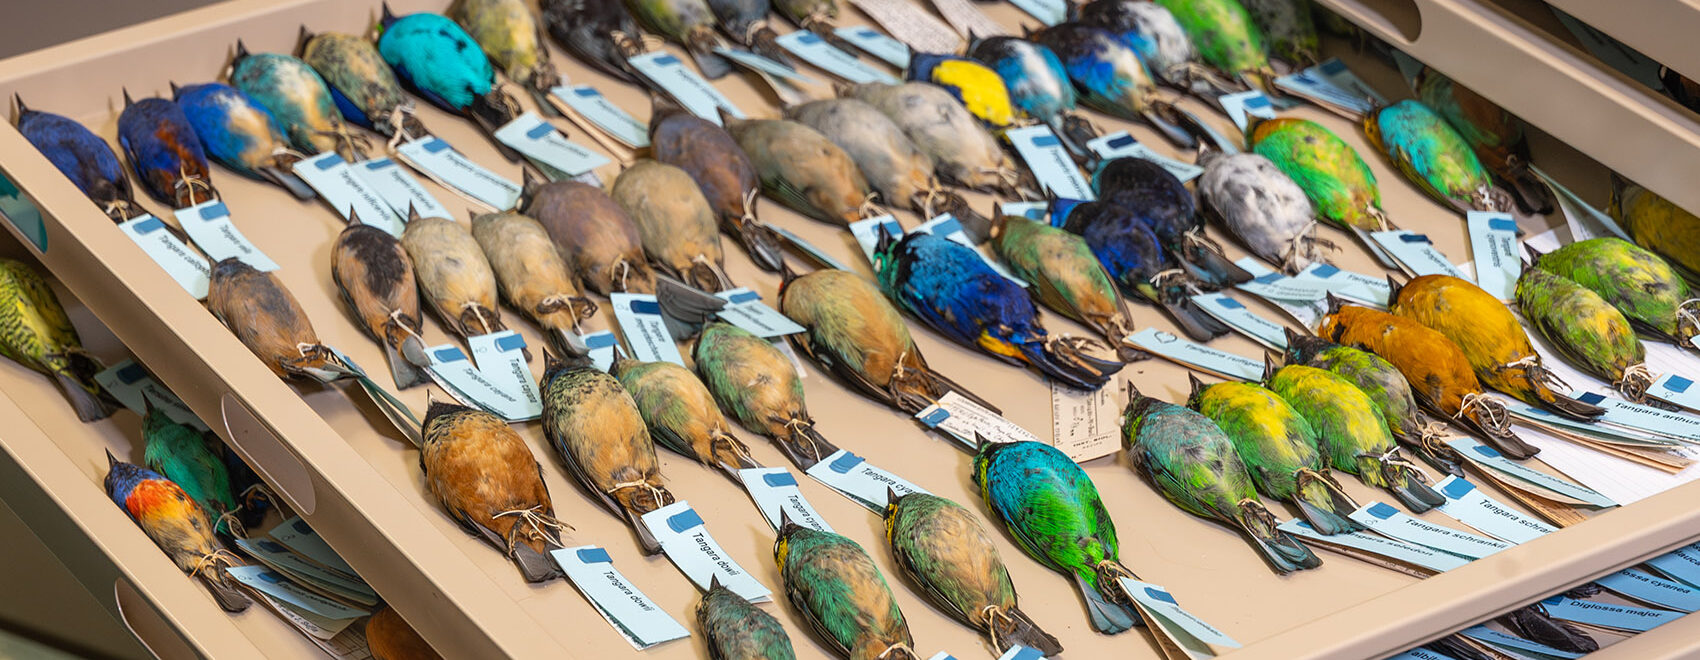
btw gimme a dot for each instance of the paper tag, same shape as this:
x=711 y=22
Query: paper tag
x=318 y=629
x=1396 y=550
x=349 y=194
x=1469 y=505
x=1487 y=456
x=1015 y=652
x=746 y=310
x=602 y=346
x=1415 y=253
x=1384 y=519
x=756 y=62
x=1243 y=320
x=1646 y=419
x=399 y=189
x=610 y=118
x=1240 y=106
x=133 y=387
x=1049 y=162
x=501 y=358
x=684 y=85
x=941 y=655
x=1035 y=211
x=1420 y=653
x=1155 y=600
x=274 y=584
x=867 y=233
x=812 y=49
x=639 y=316
x=189 y=269
x=1493 y=637
x=1589 y=430
x=807 y=248
x=859 y=480
x=1310 y=85
x=1675 y=390
x=1607 y=615
x=628 y=610
x=271 y=553
x=1335 y=71
x=1493 y=243
x=875 y=43
x=1049 y=12
x=209 y=225
x=690 y=547
x=947 y=226
x=469 y=385
x=299 y=537
x=1122 y=145
x=1584 y=220
x=960 y=418
x=1272 y=285
x=775 y=491
x=1197 y=356
x=438 y=159
x=1652 y=590
x=536 y=139
x=1681 y=564
x=1346 y=284
x=1085 y=424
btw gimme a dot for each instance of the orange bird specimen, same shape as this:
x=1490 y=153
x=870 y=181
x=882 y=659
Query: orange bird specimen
x=485 y=475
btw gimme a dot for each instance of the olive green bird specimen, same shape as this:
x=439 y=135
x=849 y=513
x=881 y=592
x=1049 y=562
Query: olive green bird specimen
x=735 y=629
x=1339 y=183
x=509 y=34
x=1387 y=388
x=36 y=333
x=835 y=586
x=1658 y=225
x=597 y=430
x=181 y=454
x=1658 y=302
x=943 y=550
x=1188 y=459
x=675 y=222
x=1586 y=330
x=757 y=384
x=1067 y=277
x=1432 y=154
x=1351 y=432
x=483 y=473
x=1226 y=38
x=802 y=169
x=1280 y=451
x=682 y=415
x=1052 y=510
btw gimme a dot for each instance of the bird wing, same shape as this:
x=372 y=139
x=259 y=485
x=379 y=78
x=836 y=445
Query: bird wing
x=800 y=603
x=583 y=479
x=46 y=307
x=825 y=357
x=787 y=193
x=932 y=594
x=1171 y=483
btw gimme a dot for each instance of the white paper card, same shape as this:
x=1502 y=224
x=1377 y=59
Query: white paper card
x=1652 y=590
x=298 y=536
x=1050 y=162
x=875 y=43
x=960 y=418
x=346 y=192
x=807 y=248
x=1122 y=145
x=1019 y=652
x=274 y=553
x=1085 y=424
x=274 y=584
x=1357 y=287
x=1243 y=320
x=1675 y=390
x=1272 y=285
x=1035 y=211
x=1646 y=419
x=1415 y=253
x=1481 y=454
x=859 y=480
x=746 y=310
x=1156 y=600
x=809 y=47
x=400 y=190
x=602 y=346
x=189 y=269
x=1240 y=106
x=686 y=540
x=1197 y=356
x=1584 y=220
x=1493 y=243
x=867 y=233
x=1310 y=84
x=133 y=387
x=500 y=357
x=437 y=158
x=1384 y=519
x=536 y=139
x=456 y=374
x=633 y=615
x=1415 y=555
x=1469 y=505
x=602 y=113
x=209 y=225
x=639 y=316
x=1335 y=71
x=756 y=62
x=684 y=85
x=775 y=492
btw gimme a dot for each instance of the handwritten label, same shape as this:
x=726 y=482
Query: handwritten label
x=438 y=159
x=815 y=50
x=1484 y=455
x=1122 y=145
x=1652 y=590
x=208 y=223
x=501 y=358
x=775 y=492
x=1680 y=564
x=188 y=268
x=1243 y=320
x=690 y=547
x=1469 y=505
x=132 y=386
x=639 y=316
x=1394 y=549
x=1197 y=356
x=1493 y=243
x=1493 y=637
x=457 y=375
x=1415 y=253
x=1085 y=424
x=602 y=113
x=399 y=189
x=1645 y=419
x=349 y=194
x=961 y=418
x=859 y=480
x=1272 y=285
x=867 y=233
x=628 y=610
x=875 y=43
x=1050 y=162
x=746 y=310
x=536 y=139
x=1357 y=287
x=1607 y=615
x=277 y=586
x=684 y=85
x=1384 y=519
x=1240 y=106
x=1154 y=599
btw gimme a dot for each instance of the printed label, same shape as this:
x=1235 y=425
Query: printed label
x=875 y=43
x=469 y=385
x=1050 y=162
x=602 y=113
x=1607 y=615
x=132 y=386
x=1152 y=598
x=209 y=225
x=1272 y=285
x=501 y=358
x=775 y=492
x=1675 y=390
x=1652 y=590
x=1384 y=519
x=1243 y=320
x=349 y=194
x=1357 y=287
x=639 y=317
x=745 y=309
x=189 y=269
x=1035 y=211
x=1421 y=653
x=1680 y=564
x=273 y=554
x=400 y=190
x=1644 y=419
x=1415 y=253
x=1484 y=455
x=761 y=64
x=1085 y=424
x=299 y=537
x=1310 y=85
x=277 y=586
x=536 y=139
x=1197 y=356
x=1240 y=106
x=1122 y=145
x=1493 y=637
x=602 y=346
x=1049 y=12
x=1493 y=243
x=1604 y=433
x=1469 y=505
x=1396 y=550
x=812 y=49
x=684 y=85
x=1335 y=71
x=690 y=547
x=442 y=162
x=959 y=417
x=628 y=610
x=867 y=233
x=859 y=480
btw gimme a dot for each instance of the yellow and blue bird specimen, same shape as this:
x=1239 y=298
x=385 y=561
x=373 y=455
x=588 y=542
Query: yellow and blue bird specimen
x=834 y=585
x=1110 y=77
x=440 y=62
x=977 y=86
x=1066 y=277
x=36 y=333
x=1038 y=87
x=1052 y=510
x=1152 y=32
x=241 y=135
x=1163 y=203
x=1657 y=301
x=82 y=157
x=736 y=629
x=951 y=289
x=177 y=525
x=1431 y=154
x=1134 y=257
x=689 y=23
x=298 y=98
x=1188 y=459
x=164 y=152
x=600 y=33
x=183 y=455
x=366 y=92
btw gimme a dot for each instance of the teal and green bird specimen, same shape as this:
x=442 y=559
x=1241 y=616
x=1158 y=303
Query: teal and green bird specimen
x=1066 y=277
x=1188 y=459
x=298 y=98
x=681 y=414
x=943 y=550
x=689 y=23
x=1386 y=387
x=181 y=454
x=1280 y=449
x=36 y=333
x=1052 y=509
x=835 y=586
x=1289 y=28
x=757 y=384
x=1590 y=333
x=1350 y=431
x=365 y=89
x=1338 y=182
x=1658 y=225
x=1657 y=301
x=1226 y=38
x=735 y=629
x=440 y=62
x=1431 y=154
x=1496 y=135
x=241 y=135
x=509 y=34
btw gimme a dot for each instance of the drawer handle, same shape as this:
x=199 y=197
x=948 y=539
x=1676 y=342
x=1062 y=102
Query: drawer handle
x=149 y=627
x=260 y=446
x=1403 y=17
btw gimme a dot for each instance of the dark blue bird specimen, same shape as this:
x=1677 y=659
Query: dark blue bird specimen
x=600 y=33
x=1167 y=207
x=745 y=21
x=1136 y=260
x=240 y=134
x=164 y=152
x=1111 y=78
x=952 y=290
x=82 y=157
x=436 y=59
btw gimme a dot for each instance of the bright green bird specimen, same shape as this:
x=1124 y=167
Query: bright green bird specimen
x=835 y=586
x=1385 y=386
x=737 y=630
x=1338 y=182
x=1188 y=459
x=1066 y=277
x=681 y=414
x=181 y=454
x=1224 y=34
x=1352 y=434
x=36 y=333
x=1432 y=154
x=1586 y=330
x=1638 y=283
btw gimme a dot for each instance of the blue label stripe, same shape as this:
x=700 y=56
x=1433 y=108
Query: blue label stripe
x=1229 y=303
x=779 y=479
x=148 y=226
x=936 y=417
x=379 y=164
x=744 y=296
x=843 y=464
x=1458 y=488
x=684 y=520
x=1415 y=238
x=1123 y=140
x=434 y=145
x=329 y=161
x=1160 y=595
x=808 y=39
x=587 y=92
x=1325 y=271
x=131 y=373
x=666 y=60
x=1503 y=224
x=214 y=211
x=1268 y=278
x=646 y=307
x=1592 y=398
x=1382 y=510
x=1487 y=451
x=1678 y=384
x=511 y=342
x=600 y=340
x=594 y=556
x=1046 y=140
x=448 y=354
x=540 y=130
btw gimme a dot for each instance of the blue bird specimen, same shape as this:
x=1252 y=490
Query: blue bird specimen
x=600 y=33
x=177 y=525
x=1134 y=256
x=82 y=157
x=952 y=290
x=361 y=83
x=440 y=62
x=164 y=152
x=1110 y=77
x=297 y=97
x=975 y=85
x=240 y=135
x=1152 y=32
x=1168 y=208
x=1038 y=86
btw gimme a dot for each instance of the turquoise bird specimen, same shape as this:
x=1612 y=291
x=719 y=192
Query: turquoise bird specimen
x=374 y=278
x=802 y=169
x=948 y=287
x=361 y=83
x=1351 y=432
x=856 y=334
x=1134 y=257
x=36 y=332
x=1038 y=85
x=1339 y=183
x=532 y=274
x=1496 y=345
x=963 y=153
x=485 y=476
x=1432 y=155
x=1658 y=225
x=674 y=222
x=82 y=157
x=1588 y=331
x=298 y=98
x=1188 y=459
x=975 y=85
x=745 y=21
x=594 y=235
x=1152 y=32
x=1263 y=208
x=834 y=585
x=1162 y=202
x=1110 y=77
x=600 y=33
x=454 y=274
x=942 y=549
x=177 y=525
x=596 y=429
x=440 y=62
x=163 y=150
x=757 y=384
x=510 y=36
x=1655 y=299
x=241 y=135
x=735 y=629
x=1066 y=277
x=682 y=415
x=1386 y=387
x=1280 y=450
x=1495 y=134
x=1288 y=29
x=267 y=319
x=182 y=454
x=1226 y=39
x=722 y=171
x=1052 y=510
x=689 y=23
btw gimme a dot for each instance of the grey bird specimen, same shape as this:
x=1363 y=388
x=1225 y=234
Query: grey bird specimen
x=963 y=152
x=1264 y=209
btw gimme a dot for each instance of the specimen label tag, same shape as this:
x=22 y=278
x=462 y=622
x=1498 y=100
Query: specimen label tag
x=639 y=316
x=1243 y=320
x=1085 y=424
x=684 y=85
x=875 y=43
x=1652 y=590
x=867 y=232
x=746 y=310
x=1607 y=615
x=399 y=189
x=1415 y=253
x=610 y=118
x=774 y=490
x=299 y=537
x=1493 y=243
x=452 y=370
x=1050 y=162
x=1385 y=519
x=1347 y=284
x=1017 y=652
x=1273 y=285
x=1602 y=432
x=189 y=269
x=1197 y=356
x=807 y=248
x=346 y=192
x=1035 y=211
x=859 y=480
x=1335 y=71
x=1400 y=551
x=1680 y=564
x=628 y=610
x=1676 y=390
x=274 y=554
x=1636 y=417
x=1154 y=599
x=1318 y=84
x=1122 y=145
x=1493 y=637
x=1489 y=457
x=961 y=418
x=208 y=223
x=756 y=62
x=1584 y=220
x=601 y=344
x=1469 y=505
x=1421 y=653
x=948 y=227
x=439 y=160
x=274 y=584
x=501 y=358
x=812 y=49
x=1049 y=12
x=690 y=547
x=1240 y=106
x=134 y=388
x=530 y=135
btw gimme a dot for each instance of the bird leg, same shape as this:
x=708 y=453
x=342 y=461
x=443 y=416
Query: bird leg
x=1636 y=379
x=1496 y=417
x=535 y=522
x=1688 y=321
x=1392 y=463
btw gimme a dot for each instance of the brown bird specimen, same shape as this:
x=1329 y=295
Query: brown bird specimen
x=389 y=637
x=725 y=175
x=454 y=274
x=675 y=223
x=268 y=320
x=595 y=236
x=483 y=473
x=374 y=278
x=534 y=278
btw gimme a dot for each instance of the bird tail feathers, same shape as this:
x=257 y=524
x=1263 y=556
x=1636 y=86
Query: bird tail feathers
x=1533 y=624
x=1323 y=503
x=1565 y=406
x=1066 y=359
x=1283 y=552
x=1405 y=481
x=701 y=44
x=76 y=378
x=1193 y=320
x=1107 y=617
x=405 y=373
x=228 y=596
x=804 y=445
x=1023 y=631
